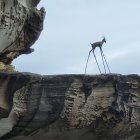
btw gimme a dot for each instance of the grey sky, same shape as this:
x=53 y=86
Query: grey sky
x=69 y=28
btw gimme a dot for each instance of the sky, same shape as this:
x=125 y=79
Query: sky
x=69 y=28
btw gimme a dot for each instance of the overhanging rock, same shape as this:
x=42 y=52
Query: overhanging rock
x=20 y=26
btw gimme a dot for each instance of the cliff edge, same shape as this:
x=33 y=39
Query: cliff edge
x=69 y=107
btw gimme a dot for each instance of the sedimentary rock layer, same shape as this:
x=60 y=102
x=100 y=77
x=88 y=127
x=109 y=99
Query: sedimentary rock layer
x=69 y=107
x=20 y=26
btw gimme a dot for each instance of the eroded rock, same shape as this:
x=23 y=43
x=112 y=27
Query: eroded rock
x=20 y=26
x=71 y=107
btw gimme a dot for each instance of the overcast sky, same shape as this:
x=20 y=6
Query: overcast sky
x=69 y=28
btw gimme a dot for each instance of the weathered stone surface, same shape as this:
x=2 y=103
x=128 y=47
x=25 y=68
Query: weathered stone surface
x=9 y=83
x=73 y=107
x=6 y=68
x=20 y=26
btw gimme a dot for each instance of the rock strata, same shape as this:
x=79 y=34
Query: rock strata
x=20 y=26
x=69 y=107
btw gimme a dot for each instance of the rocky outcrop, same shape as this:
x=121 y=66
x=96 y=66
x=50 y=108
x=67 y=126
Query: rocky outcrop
x=69 y=107
x=20 y=26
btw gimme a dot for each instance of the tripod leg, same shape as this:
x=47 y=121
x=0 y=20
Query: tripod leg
x=87 y=61
x=103 y=59
x=96 y=61
x=106 y=61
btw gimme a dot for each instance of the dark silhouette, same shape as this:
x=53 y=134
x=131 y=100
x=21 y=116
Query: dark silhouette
x=98 y=44
x=94 y=46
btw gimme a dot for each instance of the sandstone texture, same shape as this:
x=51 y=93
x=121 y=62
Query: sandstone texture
x=73 y=107
x=20 y=26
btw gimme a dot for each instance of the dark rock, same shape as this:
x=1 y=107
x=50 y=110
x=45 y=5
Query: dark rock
x=70 y=106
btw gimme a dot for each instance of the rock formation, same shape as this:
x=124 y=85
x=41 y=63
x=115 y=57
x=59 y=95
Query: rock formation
x=69 y=107
x=59 y=107
x=20 y=26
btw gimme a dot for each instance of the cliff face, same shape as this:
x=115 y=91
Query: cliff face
x=69 y=107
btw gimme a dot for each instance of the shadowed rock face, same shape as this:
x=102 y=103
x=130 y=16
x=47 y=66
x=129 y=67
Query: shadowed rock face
x=20 y=26
x=70 y=107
